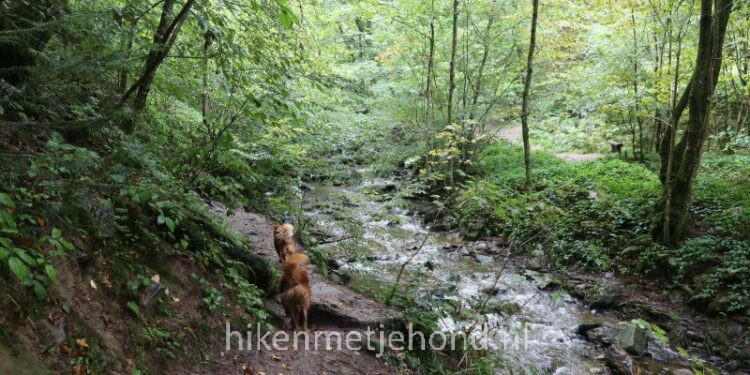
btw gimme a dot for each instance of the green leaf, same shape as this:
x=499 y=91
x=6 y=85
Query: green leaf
x=21 y=253
x=170 y=224
x=7 y=224
x=51 y=273
x=66 y=244
x=5 y=199
x=18 y=268
x=56 y=233
x=39 y=290
x=287 y=18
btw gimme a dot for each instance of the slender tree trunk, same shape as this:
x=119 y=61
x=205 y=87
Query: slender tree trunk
x=126 y=44
x=208 y=37
x=638 y=119
x=525 y=100
x=164 y=38
x=480 y=70
x=686 y=155
x=671 y=131
x=430 y=63
x=452 y=73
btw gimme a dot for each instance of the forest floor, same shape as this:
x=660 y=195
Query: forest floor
x=513 y=135
x=335 y=309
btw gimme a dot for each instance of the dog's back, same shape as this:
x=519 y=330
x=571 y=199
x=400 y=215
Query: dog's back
x=295 y=289
x=294 y=273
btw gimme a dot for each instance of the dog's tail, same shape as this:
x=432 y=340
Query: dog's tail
x=296 y=259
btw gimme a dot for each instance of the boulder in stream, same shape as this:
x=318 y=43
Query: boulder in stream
x=619 y=361
x=632 y=338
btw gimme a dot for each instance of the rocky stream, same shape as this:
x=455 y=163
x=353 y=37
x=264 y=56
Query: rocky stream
x=535 y=326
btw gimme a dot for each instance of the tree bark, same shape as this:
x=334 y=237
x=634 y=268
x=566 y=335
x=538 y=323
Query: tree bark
x=482 y=63
x=525 y=100
x=164 y=38
x=638 y=119
x=430 y=63
x=675 y=220
x=452 y=73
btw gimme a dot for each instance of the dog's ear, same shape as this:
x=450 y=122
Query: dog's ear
x=276 y=227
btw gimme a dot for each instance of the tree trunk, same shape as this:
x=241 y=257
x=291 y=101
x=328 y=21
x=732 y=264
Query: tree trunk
x=164 y=38
x=430 y=64
x=482 y=63
x=638 y=119
x=685 y=157
x=525 y=102
x=452 y=73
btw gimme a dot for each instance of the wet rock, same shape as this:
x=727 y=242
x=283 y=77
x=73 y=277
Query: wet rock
x=483 y=247
x=659 y=352
x=632 y=338
x=600 y=335
x=604 y=295
x=483 y=259
x=340 y=278
x=682 y=371
x=584 y=328
x=341 y=262
x=388 y=188
x=619 y=361
x=535 y=263
x=491 y=291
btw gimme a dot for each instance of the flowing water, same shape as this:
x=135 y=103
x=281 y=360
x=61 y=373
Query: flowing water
x=533 y=330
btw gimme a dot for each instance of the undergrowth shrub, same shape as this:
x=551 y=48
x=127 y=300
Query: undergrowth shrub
x=598 y=215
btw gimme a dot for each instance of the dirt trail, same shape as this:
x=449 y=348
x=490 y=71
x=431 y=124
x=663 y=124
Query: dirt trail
x=334 y=309
x=513 y=135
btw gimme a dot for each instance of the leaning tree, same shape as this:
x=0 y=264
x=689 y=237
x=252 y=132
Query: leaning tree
x=680 y=159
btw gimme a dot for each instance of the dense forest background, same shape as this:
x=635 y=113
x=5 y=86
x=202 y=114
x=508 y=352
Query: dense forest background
x=119 y=119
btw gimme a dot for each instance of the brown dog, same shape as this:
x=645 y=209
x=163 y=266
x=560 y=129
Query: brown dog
x=283 y=241
x=295 y=290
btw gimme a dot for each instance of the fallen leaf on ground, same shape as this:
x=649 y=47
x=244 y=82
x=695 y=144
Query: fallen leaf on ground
x=93 y=284
x=82 y=343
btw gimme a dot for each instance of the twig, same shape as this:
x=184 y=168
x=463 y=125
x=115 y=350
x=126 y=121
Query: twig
x=330 y=241
x=414 y=255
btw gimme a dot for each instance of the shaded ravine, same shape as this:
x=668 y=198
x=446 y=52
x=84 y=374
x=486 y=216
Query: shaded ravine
x=446 y=268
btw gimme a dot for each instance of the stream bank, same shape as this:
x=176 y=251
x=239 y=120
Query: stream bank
x=569 y=323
